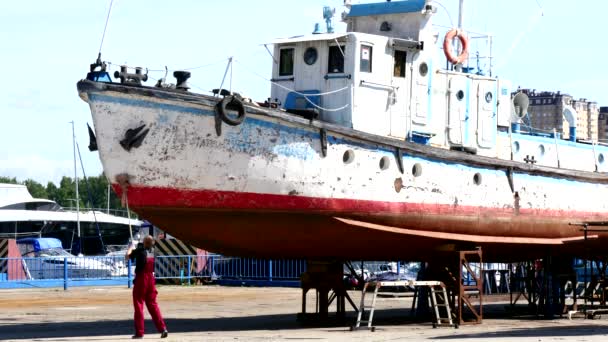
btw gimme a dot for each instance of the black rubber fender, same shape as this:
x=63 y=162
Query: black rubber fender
x=233 y=103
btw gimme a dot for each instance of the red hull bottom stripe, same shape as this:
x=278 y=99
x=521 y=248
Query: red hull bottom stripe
x=139 y=196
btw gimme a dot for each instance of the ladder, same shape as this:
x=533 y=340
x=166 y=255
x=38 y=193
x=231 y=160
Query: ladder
x=437 y=289
x=362 y=307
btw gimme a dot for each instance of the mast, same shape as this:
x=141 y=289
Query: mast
x=458 y=67
x=461 y=15
x=76 y=181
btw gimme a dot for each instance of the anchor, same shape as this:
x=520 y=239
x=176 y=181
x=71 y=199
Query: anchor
x=134 y=137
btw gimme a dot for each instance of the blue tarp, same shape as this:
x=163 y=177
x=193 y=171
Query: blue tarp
x=41 y=244
x=382 y=8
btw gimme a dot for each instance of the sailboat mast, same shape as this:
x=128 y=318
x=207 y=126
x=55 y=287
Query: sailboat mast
x=76 y=181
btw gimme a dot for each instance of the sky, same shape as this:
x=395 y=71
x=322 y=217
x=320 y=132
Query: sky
x=47 y=46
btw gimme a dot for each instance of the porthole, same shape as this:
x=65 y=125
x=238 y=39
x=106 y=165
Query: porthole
x=460 y=95
x=310 y=56
x=601 y=158
x=348 y=157
x=489 y=97
x=417 y=170
x=423 y=69
x=541 y=150
x=516 y=147
x=385 y=163
x=477 y=179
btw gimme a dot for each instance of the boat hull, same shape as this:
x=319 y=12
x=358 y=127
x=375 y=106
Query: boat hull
x=281 y=186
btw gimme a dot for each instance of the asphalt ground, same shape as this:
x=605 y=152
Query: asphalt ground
x=210 y=313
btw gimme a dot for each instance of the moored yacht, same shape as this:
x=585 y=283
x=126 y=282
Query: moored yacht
x=21 y=216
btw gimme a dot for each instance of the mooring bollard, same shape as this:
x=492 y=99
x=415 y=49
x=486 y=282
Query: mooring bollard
x=129 y=273
x=65 y=274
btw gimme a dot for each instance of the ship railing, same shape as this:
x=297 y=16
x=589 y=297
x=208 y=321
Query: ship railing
x=115 y=212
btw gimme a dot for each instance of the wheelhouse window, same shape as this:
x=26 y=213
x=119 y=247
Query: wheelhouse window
x=286 y=62
x=399 y=69
x=336 y=59
x=366 y=58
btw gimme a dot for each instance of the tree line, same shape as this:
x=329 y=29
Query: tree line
x=93 y=192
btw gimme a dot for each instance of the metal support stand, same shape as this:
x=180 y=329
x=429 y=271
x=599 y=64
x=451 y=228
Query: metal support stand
x=470 y=296
x=327 y=279
x=589 y=291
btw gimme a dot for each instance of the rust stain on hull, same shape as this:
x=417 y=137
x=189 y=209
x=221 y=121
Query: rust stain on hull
x=282 y=235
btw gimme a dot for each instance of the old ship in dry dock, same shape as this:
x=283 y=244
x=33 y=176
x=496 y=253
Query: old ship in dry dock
x=369 y=150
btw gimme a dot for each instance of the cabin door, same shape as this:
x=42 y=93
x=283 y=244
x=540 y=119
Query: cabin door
x=421 y=94
x=399 y=101
x=337 y=106
x=458 y=112
x=486 y=114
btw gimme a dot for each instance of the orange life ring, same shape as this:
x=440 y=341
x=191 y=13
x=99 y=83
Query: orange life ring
x=447 y=46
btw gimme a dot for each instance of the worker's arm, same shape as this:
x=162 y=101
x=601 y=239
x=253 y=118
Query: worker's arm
x=130 y=252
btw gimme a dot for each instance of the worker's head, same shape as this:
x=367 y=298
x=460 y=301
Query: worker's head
x=148 y=241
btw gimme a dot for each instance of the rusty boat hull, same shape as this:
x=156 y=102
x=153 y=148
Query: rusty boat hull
x=281 y=186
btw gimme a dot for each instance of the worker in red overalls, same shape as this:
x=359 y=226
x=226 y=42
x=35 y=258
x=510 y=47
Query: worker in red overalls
x=144 y=287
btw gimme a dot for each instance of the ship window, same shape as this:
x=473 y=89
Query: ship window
x=399 y=68
x=336 y=59
x=310 y=56
x=460 y=95
x=286 y=62
x=423 y=69
x=366 y=58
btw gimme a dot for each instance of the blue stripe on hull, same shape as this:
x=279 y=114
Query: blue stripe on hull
x=241 y=141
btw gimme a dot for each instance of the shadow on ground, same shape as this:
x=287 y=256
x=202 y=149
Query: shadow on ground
x=383 y=318
x=101 y=328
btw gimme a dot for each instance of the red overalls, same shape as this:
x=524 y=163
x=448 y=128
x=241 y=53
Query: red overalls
x=144 y=290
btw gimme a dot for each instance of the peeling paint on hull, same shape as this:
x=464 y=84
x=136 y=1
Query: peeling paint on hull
x=264 y=188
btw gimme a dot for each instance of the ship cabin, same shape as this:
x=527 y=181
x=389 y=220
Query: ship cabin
x=391 y=74
x=384 y=76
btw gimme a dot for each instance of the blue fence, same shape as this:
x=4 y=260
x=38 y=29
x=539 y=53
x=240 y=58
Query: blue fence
x=190 y=269
x=69 y=271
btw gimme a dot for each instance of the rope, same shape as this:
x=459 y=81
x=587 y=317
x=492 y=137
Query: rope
x=305 y=96
x=446 y=11
x=106 y=26
x=124 y=193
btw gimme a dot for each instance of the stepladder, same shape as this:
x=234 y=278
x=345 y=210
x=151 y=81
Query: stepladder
x=362 y=307
x=439 y=299
x=437 y=292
